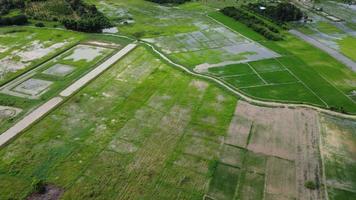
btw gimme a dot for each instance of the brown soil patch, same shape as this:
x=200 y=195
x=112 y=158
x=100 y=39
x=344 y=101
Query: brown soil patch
x=280 y=177
x=289 y=134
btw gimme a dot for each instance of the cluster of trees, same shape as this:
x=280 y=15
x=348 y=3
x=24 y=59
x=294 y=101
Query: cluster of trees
x=90 y=19
x=259 y=25
x=13 y=20
x=73 y=14
x=281 y=12
x=169 y=1
x=5 y=7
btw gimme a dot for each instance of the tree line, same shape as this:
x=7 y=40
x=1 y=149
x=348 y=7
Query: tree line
x=257 y=24
x=280 y=13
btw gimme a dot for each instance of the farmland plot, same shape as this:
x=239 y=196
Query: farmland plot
x=212 y=46
x=21 y=49
x=288 y=141
x=44 y=81
x=338 y=152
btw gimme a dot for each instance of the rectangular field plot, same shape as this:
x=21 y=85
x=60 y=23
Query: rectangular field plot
x=239 y=130
x=255 y=162
x=280 y=183
x=232 y=155
x=245 y=81
x=85 y=52
x=231 y=70
x=267 y=65
x=278 y=77
x=33 y=87
x=251 y=186
x=224 y=182
x=59 y=70
x=293 y=92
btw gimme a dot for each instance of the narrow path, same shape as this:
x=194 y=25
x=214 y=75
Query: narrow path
x=335 y=54
x=45 y=108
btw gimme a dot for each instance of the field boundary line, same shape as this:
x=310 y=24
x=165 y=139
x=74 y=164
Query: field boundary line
x=305 y=85
x=243 y=96
x=231 y=76
x=270 y=84
x=257 y=73
x=347 y=96
x=322 y=158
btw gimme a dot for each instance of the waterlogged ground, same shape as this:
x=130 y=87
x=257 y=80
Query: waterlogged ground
x=24 y=48
x=32 y=88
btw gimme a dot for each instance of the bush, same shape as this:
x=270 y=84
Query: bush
x=39 y=24
x=310 y=185
x=39 y=186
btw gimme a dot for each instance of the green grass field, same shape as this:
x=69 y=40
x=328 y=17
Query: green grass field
x=338 y=149
x=347 y=45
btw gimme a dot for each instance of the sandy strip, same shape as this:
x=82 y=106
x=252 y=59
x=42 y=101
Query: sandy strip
x=335 y=54
x=28 y=120
x=97 y=71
